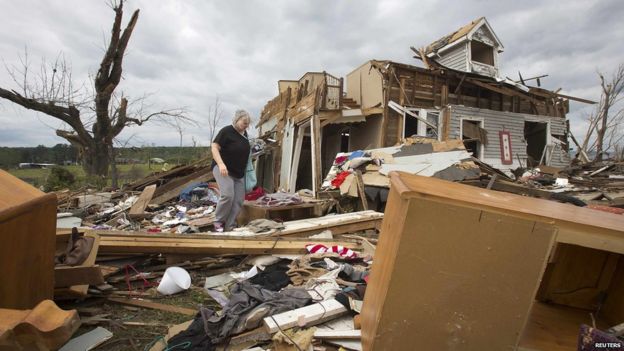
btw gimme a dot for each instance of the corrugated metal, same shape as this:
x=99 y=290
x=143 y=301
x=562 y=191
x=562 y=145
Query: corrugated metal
x=455 y=58
x=495 y=121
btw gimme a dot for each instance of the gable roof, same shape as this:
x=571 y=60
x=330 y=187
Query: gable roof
x=461 y=35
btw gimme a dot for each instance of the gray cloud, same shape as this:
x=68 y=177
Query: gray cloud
x=183 y=53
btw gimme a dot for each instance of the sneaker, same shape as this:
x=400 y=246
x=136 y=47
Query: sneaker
x=218 y=227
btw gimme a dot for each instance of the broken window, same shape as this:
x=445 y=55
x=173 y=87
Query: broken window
x=474 y=136
x=482 y=53
x=344 y=139
x=410 y=124
x=536 y=137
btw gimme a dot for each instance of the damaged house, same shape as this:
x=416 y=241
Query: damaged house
x=459 y=94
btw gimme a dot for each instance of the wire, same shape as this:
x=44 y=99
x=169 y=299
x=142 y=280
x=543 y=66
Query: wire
x=153 y=342
x=146 y=283
x=184 y=345
x=286 y=335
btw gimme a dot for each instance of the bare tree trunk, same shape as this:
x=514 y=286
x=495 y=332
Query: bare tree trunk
x=113 y=168
x=604 y=116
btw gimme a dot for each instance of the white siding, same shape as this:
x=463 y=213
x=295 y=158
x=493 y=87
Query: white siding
x=495 y=121
x=455 y=58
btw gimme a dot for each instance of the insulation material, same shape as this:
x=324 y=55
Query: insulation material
x=425 y=165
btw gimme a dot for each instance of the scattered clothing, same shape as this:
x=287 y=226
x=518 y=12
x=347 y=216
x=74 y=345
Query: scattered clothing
x=194 y=336
x=351 y=273
x=255 y=194
x=279 y=199
x=273 y=277
x=248 y=306
x=354 y=154
x=302 y=270
x=264 y=225
x=338 y=249
x=78 y=249
x=340 y=160
x=340 y=178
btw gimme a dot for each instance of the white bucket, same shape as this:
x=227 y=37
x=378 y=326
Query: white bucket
x=174 y=280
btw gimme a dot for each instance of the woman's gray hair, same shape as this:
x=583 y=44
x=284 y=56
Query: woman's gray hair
x=240 y=114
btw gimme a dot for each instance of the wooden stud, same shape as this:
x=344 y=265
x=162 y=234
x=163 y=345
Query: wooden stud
x=360 y=186
x=153 y=305
x=139 y=206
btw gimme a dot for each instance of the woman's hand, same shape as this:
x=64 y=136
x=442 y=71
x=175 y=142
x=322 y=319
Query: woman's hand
x=223 y=170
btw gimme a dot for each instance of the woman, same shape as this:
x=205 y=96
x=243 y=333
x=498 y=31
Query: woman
x=230 y=152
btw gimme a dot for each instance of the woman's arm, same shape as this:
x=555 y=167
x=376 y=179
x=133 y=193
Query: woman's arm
x=216 y=155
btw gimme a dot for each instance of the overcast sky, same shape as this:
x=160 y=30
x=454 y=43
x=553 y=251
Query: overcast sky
x=184 y=53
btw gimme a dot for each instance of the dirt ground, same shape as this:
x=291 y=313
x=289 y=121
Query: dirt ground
x=136 y=328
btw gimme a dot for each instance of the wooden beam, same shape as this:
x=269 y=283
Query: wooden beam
x=338 y=334
x=360 y=186
x=316 y=154
x=209 y=244
x=444 y=95
x=153 y=305
x=338 y=224
x=65 y=276
x=549 y=94
x=139 y=206
x=294 y=170
x=335 y=115
x=503 y=90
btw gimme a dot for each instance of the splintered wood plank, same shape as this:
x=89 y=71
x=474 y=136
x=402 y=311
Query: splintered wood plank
x=211 y=244
x=68 y=276
x=139 y=206
x=360 y=187
x=338 y=224
x=153 y=305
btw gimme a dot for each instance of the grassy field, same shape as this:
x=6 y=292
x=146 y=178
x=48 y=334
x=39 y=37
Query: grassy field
x=127 y=174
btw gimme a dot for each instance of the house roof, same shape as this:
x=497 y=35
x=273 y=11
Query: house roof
x=460 y=35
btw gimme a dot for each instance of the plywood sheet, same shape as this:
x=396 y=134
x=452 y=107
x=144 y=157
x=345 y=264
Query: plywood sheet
x=576 y=225
x=27 y=234
x=451 y=284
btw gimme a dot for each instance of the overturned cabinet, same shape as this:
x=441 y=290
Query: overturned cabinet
x=27 y=231
x=459 y=268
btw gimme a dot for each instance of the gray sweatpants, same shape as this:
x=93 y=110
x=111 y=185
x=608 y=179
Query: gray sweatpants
x=231 y=200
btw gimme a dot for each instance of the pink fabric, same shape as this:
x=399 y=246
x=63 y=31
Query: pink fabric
x=255 y=194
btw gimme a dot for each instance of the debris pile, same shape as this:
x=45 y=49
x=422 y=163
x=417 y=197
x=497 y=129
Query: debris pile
x=422 y=156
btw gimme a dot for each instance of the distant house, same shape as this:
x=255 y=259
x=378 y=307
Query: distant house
x=157 y=160
x=27 y=165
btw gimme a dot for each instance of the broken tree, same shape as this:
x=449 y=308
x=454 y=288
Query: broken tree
x=59 y=98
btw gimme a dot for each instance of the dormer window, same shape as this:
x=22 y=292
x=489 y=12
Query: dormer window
x=473 y=48
x=482 y=53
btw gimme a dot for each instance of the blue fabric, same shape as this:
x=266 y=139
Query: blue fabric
x=250 y=176
x=187 y=193
x=354 y=154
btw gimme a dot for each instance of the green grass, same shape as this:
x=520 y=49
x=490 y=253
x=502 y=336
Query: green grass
x=127 y=174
